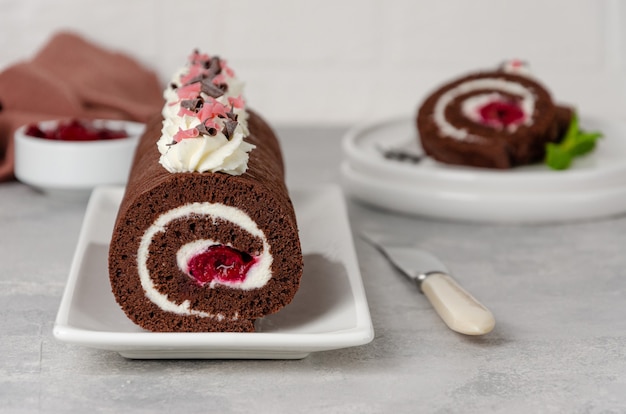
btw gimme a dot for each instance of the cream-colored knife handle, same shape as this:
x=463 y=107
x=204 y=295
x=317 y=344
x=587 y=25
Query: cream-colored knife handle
x=458 y=309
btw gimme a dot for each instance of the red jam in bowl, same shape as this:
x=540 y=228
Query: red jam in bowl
x=76 y=130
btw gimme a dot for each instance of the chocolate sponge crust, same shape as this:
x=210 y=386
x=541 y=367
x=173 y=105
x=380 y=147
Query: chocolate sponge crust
x=497 y=148
x=260 y=192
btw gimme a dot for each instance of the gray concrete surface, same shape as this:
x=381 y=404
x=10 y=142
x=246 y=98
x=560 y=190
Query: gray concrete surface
x=558 y=293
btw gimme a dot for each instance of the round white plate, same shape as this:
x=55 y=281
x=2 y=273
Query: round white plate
x=595 y=185
x=364 y=147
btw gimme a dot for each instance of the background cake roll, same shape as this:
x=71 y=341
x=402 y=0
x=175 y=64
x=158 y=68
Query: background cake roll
x=208 y=250
x=495 y=119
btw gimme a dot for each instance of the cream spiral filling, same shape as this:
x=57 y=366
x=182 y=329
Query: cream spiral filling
x=258 y=275
x=527 y=104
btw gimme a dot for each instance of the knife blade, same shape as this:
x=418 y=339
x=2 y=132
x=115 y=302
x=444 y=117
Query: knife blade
x=460 y=311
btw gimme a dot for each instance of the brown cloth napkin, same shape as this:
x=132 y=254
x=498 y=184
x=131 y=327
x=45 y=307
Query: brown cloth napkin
x=73 y=78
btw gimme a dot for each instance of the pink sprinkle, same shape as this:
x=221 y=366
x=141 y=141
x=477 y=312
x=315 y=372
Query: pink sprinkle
x=189 y=91
x=237 y=102
x=219 y=79
x=194 y=71
x=188 y=133
x=211 y=124
x=226 y=68
x=211 y=109
x=184 y=111
x=198 y=57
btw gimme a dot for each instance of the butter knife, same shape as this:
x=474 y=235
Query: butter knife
x=457 y=307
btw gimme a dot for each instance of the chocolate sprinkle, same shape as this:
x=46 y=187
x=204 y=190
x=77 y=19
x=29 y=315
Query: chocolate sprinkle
x=192 y=104
x=210 y=89
x=214 y=67
x=229 y=128
x=231 y=114
x=403 y=156
x=202 y=129
x=195 y=79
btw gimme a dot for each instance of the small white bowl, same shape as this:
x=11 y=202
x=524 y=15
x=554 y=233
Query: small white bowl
x=75 y=166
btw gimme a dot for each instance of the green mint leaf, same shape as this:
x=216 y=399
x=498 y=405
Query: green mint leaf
x=572 y=130
x=590 y=135
x=582 y=147
x=574 y=144
x=557 y=158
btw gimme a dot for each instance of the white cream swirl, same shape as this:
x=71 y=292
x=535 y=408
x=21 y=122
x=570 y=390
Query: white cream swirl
x=258 y=275
x=527 y=103
x=183 y=145
x=204 y=153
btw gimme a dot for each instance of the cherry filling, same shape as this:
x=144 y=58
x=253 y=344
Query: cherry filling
x=501 y=113
x=75 y=130
x=220 y=263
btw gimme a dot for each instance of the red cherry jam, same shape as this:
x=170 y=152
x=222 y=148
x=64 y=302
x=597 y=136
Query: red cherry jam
x=501 y=114
x=75 y=130
x=220 y=263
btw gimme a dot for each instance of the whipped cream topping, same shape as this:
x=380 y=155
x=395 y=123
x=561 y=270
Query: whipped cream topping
x=204 y=119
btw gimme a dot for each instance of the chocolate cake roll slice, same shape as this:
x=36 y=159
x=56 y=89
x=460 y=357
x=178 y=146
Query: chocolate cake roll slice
x=206 y=237
x=496 y=119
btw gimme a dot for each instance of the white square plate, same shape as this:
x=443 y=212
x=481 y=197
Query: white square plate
x=329 y=311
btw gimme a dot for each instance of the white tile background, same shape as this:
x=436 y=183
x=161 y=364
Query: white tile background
x=345 y=61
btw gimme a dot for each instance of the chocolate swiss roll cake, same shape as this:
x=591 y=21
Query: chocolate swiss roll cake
x=494 y=119
x=206 y=237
